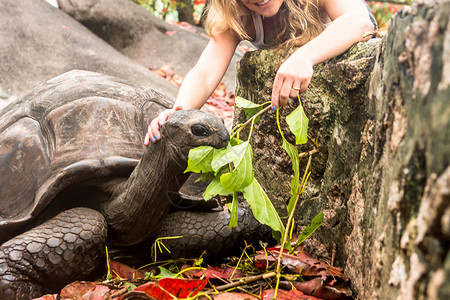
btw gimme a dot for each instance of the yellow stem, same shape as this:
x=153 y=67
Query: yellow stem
x=291 y=215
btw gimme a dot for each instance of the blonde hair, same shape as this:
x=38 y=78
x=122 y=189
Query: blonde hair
x=299 y=19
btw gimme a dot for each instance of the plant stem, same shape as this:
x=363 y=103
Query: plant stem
x=249 y=121
x=244 y=281
x=309 y=153
x=291 y=216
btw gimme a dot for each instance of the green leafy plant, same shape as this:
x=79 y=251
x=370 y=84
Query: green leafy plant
x=383 y=10
x=231 y=172
x=231 y=169
x=160 y=8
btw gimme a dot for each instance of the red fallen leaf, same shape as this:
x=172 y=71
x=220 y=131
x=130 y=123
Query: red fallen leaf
x=165 y=287
x=230 y=99
x=300 y=262
x=168 y=70
x=77 y=289
x=136 y=296
x=84 y=290
x=170 y=32
x=322 y=289
x=219 y=102
x=228 y=116
x=286 y=295
x=216 y=272
x=183 y=25
x=306 y=287
x=99 y=293
x=159 y=72
x=177 y=79
x=263 y=261
x=47 y=297
x=123 y=271
x=328 y=289
x=220 y=90
x=233 y=296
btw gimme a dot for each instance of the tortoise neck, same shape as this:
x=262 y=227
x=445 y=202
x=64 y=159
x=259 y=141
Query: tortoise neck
x=138 y=206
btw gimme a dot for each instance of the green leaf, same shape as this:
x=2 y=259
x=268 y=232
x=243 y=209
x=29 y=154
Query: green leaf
x=295 y=182
x=298 y=124
x=205 y=176
x=214 y=188
x=199 y=160
x=249 y=107
x=308 y=230
x=262 y=208
x=244 y=103
x=242 y=175
x=165 y=273
x=233 y=208
x=130 y=286
x=232 y=154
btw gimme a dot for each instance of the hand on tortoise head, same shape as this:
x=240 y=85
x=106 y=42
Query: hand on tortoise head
x=153 y=134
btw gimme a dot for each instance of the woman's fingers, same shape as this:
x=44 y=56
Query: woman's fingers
x=153 y=133
x=285 y=92
x=293 y=77
x=147 y=139
x=277 y=84
x=304 y=85
x=295 y=89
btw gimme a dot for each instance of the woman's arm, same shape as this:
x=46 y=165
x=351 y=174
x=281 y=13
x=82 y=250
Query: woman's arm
x=201 y=80
x=350 y=22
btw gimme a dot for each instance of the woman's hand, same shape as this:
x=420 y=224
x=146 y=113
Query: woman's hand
x=153 y=133
x=293 y=76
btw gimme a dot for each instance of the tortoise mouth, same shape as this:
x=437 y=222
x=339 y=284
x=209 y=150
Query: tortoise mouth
x=224 y=137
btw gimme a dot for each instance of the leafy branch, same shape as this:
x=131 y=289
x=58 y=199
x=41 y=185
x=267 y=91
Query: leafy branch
x=231 y=169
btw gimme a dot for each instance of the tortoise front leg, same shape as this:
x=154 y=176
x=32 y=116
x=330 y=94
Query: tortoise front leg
x=53 y=254
x=209 y=231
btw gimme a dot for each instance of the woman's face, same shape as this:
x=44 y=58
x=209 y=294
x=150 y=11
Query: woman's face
x=266 y=8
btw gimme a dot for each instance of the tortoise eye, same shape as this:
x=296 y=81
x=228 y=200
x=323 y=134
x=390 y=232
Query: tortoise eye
x=199 y=130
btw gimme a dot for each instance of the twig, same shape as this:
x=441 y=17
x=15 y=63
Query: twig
x=166 y=262
x=251 y=119
x=308 y=153
x=120 y=292
x=246 y=280
x=240 y=259
x=333 y=253
x=291 y=216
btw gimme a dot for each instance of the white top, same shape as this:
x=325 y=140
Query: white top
x=259 y=31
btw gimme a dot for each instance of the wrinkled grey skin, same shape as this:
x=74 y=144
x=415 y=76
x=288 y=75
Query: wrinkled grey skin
x=75 y=177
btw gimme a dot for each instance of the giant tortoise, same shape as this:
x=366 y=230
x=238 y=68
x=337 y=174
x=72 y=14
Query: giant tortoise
x=75 y=176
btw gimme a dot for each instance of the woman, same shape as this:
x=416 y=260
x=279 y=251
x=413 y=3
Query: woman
x=322 y=28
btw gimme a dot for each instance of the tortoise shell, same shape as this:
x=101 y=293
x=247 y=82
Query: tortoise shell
x=78 y=127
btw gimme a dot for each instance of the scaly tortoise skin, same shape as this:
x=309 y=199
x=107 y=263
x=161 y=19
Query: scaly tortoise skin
x=76 y=176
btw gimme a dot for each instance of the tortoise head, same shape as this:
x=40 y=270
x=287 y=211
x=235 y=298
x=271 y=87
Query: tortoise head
x=187 y=129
